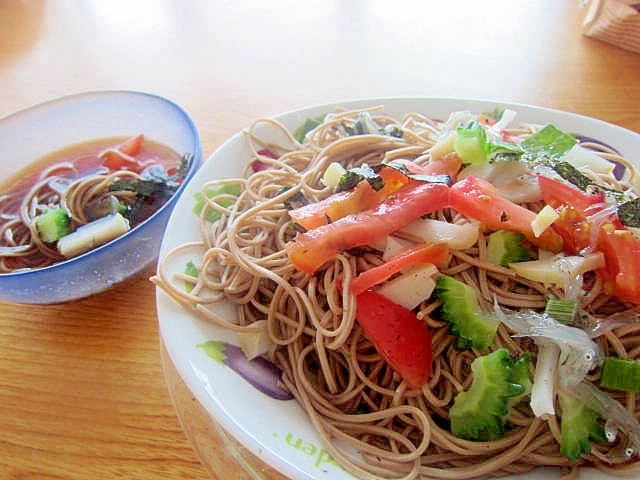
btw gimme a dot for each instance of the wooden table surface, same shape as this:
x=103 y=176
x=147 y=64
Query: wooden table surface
x=82 y=389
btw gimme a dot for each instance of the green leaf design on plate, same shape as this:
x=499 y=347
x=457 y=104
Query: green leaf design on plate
x=214 y=349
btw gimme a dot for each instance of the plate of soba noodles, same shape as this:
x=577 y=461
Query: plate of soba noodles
x=404 y=288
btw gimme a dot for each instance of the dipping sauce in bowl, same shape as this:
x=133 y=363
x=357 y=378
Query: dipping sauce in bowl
x=80 y=197
x=88 y=182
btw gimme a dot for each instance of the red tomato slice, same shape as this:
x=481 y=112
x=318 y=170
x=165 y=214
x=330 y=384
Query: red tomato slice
x=115 y=160
x=572 y=205
x=449 y=164
x=398 y=335
x=621 y=274
x=311 y=249
x=364 y=197
x=122 y=156
x=339 y=205
x=574 y=229
x=314 y=214
x=436 y=254
x=478 y=199
x=620 y=247
x=556 y=193
x=132 y=146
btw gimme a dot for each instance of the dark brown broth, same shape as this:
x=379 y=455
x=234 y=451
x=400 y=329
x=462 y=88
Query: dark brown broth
x=85 y=158
x=75 y=161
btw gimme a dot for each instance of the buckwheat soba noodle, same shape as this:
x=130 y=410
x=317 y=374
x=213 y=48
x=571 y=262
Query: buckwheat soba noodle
x=86 y=194
x=294 y=264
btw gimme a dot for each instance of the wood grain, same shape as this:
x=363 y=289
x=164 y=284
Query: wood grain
x=82 y=388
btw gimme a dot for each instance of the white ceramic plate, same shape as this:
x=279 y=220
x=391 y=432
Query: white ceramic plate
x=277 y=431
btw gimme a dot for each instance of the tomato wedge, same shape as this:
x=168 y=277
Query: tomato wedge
x=621 y=273
x=574 y=229
x=556 y=193
x=339 y=205
x=311 y=249
x=571 y=205
x=122 y=157
x=364 y=197
x=132 y=146
x=620 y=247
x=478 y=199
x=436 y=253
x=398 y=335
x=448 y=164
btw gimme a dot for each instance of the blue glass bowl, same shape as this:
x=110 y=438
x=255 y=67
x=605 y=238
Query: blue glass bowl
x=31 y=133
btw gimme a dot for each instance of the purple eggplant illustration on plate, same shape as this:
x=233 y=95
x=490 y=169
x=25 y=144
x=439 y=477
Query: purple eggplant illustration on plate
x=259 y=372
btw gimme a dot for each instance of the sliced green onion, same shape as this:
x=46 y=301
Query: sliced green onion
x=620 y=374
x=564 y=311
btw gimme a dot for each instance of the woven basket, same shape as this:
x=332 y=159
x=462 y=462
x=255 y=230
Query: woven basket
x=614 y=21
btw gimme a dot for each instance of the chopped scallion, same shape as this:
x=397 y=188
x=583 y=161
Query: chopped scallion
x=620 y=374
x=562 y=310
